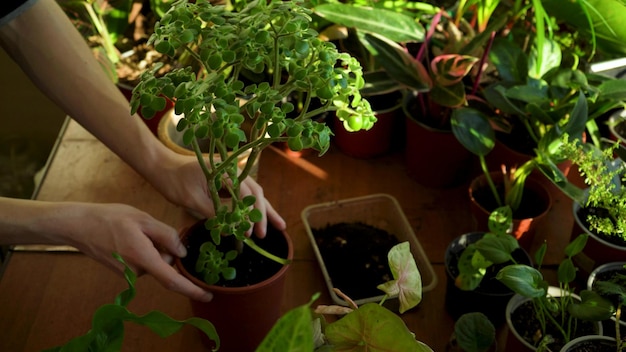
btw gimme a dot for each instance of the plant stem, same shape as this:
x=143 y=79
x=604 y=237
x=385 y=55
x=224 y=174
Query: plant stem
x=492 y=186
x=265 y=253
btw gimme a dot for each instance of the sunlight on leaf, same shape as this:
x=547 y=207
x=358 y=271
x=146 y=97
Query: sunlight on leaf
x=407 y=283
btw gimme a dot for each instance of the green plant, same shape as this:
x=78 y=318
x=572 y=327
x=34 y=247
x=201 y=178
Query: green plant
x=615 y=287
x=561 y=313
x=107 y=331
x=105 y=23
x=474 y=332
x=368 y=327
x=270 y=37
x=604 y=176
x=495 y=247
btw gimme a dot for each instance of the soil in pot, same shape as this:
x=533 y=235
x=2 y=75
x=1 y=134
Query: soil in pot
x=532 y=205
x=593 y=346
x=528 y=327
x=247 y=259
x=355 y=255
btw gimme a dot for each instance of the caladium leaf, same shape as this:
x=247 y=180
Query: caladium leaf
x=407 y=280
x=372 y=328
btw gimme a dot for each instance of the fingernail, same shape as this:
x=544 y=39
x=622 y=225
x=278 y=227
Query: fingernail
x=182 y=251
x=208 y=296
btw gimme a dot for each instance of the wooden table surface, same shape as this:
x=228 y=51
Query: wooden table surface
x=46 y=298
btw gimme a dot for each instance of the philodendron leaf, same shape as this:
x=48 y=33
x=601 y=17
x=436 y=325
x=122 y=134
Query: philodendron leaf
x=407 y=281
x=474 y=332
x=593 y=307
x=292 y=332
x=397 y=27
x=523 y=279
x=473 y=130
x=471 y=267
x=372 y=328
x=497 y=248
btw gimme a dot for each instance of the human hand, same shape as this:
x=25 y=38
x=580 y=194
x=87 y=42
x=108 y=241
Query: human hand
x=180 y=179
x=146 y=244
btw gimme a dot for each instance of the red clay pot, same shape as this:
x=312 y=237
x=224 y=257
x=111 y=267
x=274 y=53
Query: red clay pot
x=536 y=203
x=242 y=315
x=374 y=142
x=435 y=158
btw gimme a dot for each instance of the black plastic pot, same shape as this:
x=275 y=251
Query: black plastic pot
x=491 y=296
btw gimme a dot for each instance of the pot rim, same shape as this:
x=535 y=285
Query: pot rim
x=235 y=290
x=579 y=339
x=575 y=207
x=531 y=184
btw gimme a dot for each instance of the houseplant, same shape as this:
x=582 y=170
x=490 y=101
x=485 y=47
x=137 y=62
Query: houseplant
x=107 y=332
x=609 y=280
x=472 y=262
x=555 y=314
x=370 y=326
x=600 y=213
x=273 y=38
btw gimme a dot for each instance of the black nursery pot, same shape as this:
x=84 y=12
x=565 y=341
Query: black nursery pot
x=491 y=296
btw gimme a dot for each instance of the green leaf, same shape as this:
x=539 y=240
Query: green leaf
x=474 y=332
x=576 y=246
x=523 y=279
x=393 y=25
x=372 y=327
x=292 y=332
x=497 y=248
x=509 y=60
x=473 y=130
x=593 y=307
x=567 y=271
x=399 y=64
x=613 y=89
x=501 y=220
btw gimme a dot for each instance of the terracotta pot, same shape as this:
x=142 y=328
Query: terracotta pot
x=376 y=141
x=514 y=341
x=241 y=315
x=578 y=344
x=536 y=202
x=596 y=275
x=489 y=298
x=598 y=251
x=152 y=123
x=435 y=158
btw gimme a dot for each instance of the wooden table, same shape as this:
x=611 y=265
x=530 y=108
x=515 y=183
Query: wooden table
x=46 y=298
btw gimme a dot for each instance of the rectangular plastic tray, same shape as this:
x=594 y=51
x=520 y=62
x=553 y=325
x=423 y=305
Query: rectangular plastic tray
x=379 y=210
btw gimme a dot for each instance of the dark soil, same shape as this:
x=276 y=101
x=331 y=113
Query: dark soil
x=584 y=212
x=355 y=255
x=251 y=266
x=532 y=205
x=523 y=318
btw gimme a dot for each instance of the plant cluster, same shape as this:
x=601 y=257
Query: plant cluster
x=563 y=313
x=273 y=38
x=495 y=247
x=603 y=175
x=614 y=289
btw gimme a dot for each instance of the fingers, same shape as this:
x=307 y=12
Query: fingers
x=167 y=276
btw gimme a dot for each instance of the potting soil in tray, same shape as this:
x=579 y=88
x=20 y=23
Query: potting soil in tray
x=355 y=255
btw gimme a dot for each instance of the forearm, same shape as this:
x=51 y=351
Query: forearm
x=54 y=55
x=33 y=222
